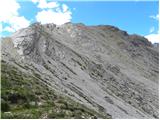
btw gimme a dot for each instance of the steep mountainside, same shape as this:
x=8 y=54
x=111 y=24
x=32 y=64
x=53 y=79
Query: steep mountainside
x=111 y=73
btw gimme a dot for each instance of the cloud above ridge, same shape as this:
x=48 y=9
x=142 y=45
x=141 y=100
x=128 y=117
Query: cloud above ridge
x=154 y=38
x=9 y=15
x=52 y=12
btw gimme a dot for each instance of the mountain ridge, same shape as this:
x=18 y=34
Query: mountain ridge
x=99 y=66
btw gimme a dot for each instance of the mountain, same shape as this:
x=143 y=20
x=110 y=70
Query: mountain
x=78 y=71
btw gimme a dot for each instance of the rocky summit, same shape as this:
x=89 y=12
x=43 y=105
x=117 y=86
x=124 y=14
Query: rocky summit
x=78 y=71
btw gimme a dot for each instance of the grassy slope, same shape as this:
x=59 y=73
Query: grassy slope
x=25 y=96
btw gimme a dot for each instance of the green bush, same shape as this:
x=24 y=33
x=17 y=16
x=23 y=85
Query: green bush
x=4 y=106
x=26 y=105
x=7 y=116
x=51 y=115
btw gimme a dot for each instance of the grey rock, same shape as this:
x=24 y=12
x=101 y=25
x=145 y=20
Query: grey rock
x=101 y=67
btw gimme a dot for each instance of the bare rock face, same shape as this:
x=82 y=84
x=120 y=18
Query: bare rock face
x=101 y=67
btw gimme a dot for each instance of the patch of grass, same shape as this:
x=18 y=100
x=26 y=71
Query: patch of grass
x=25 y=96
x=4 y=106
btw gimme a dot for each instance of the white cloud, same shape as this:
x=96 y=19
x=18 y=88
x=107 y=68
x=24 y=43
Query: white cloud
x=52 y=12
x=34 y=1
x=8 y=8
x=9 y=15
x=1 y=30
x=16 y=23
x=151 y=29
x=50 y=16
x=154 y=38
x=8 y=29
x=65 y=8
x=156 y=17
x=44 y=4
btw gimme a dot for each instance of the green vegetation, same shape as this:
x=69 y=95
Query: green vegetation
x=24 y=96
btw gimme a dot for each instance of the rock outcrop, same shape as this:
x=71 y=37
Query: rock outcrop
x=101 y=67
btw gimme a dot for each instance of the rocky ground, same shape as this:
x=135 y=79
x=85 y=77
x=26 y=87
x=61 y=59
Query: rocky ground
x=111 y=73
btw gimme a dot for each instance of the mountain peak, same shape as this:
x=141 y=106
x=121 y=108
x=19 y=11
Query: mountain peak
x=102 y=67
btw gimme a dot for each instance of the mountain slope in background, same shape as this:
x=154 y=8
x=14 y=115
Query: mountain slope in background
x=101 y=67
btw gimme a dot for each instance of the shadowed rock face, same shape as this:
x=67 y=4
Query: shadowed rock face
x=101 y=67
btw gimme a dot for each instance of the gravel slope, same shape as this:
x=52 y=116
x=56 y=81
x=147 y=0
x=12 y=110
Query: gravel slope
x=101 y=67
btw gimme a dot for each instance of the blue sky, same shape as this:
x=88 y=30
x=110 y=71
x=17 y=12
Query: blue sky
x=131 y=16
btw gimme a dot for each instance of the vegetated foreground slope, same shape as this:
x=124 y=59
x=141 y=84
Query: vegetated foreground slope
x=99 y=67
x=27 y=96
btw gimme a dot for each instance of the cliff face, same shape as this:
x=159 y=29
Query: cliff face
x=101 y=67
